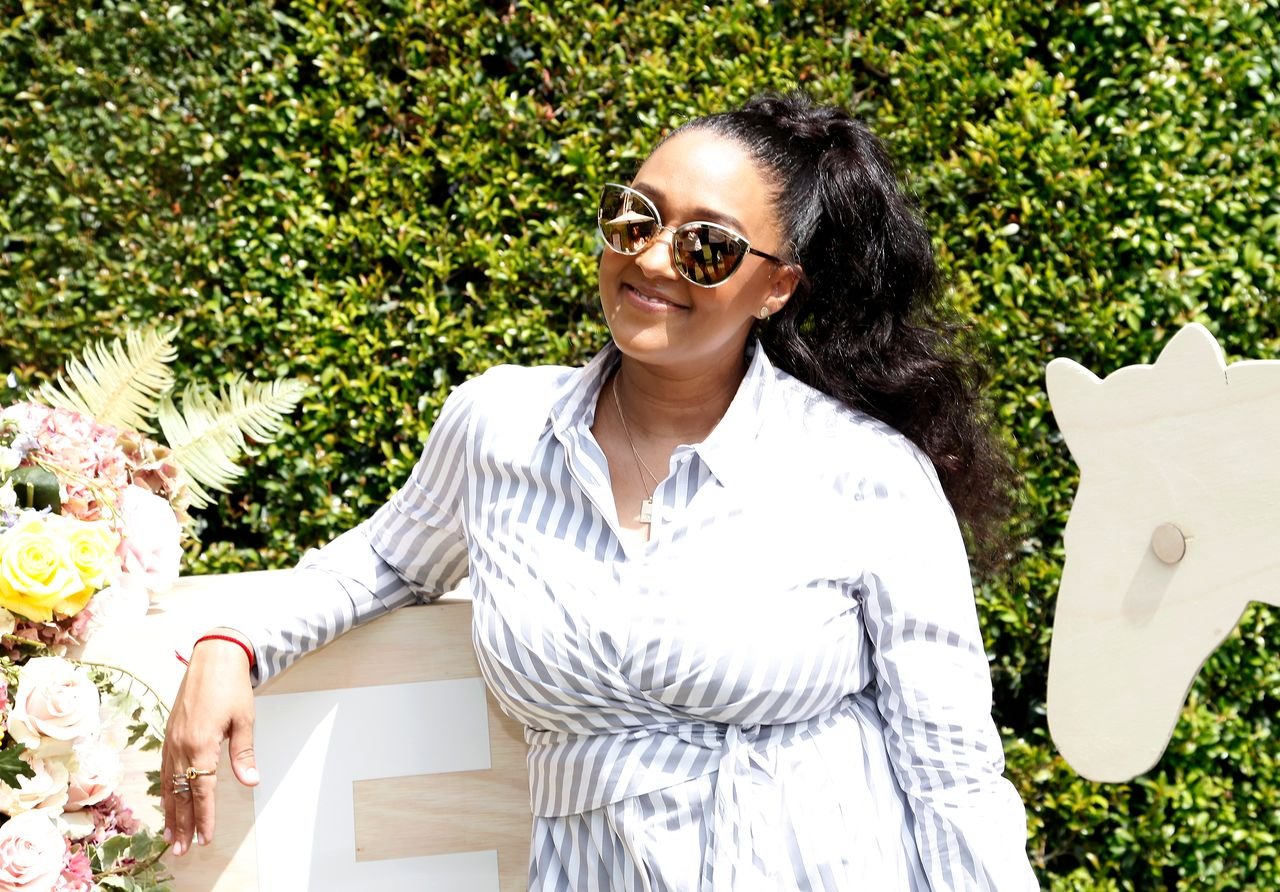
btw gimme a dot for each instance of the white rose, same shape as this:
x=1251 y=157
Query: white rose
x=8 y=496
x=95 y=774
x=56 y=704
x=10 y=458
x=46 y=790
x=32 y=853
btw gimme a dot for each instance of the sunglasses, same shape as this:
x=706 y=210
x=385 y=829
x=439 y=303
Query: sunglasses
x=706 y=254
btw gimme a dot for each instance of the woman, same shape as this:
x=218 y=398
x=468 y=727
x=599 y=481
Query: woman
x=714 y=572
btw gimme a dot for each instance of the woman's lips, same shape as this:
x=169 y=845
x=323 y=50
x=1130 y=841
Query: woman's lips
x=648 y=301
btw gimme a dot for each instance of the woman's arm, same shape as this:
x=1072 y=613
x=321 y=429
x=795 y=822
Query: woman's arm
x=413 y=548
x=934 y=693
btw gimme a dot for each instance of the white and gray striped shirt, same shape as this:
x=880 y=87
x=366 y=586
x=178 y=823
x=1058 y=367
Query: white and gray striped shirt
x=784 y=688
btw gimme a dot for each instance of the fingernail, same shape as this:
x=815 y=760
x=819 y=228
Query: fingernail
x=199 y=839
x=251 y=775
x=179 y=848
x=168 y=835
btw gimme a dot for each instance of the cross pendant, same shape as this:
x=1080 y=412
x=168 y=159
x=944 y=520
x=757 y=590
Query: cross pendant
x=646 y=511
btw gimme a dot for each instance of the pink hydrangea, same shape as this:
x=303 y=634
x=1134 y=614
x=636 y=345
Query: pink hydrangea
x=151 y=467
x=77 y=873
x=56 y=635
x=82 y=450
x=111 y=817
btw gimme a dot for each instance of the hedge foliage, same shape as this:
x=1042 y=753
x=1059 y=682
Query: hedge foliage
x=387 y=197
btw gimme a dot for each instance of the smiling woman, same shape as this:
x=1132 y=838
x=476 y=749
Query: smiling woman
x=716 y=572
x=681 y=310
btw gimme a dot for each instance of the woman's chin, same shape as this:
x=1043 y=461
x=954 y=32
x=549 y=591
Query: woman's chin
x=645 y=344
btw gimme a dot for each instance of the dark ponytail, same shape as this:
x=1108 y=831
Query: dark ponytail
x=865 y=325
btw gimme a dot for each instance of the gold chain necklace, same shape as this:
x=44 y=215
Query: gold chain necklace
x=646 y=507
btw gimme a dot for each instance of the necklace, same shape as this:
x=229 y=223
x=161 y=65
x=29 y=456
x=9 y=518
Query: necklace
x=646 y=507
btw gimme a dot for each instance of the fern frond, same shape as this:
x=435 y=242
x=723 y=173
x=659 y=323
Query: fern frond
x=208 y=435
x=116 y=384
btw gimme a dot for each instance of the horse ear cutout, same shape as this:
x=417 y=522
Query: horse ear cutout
x=1073 y=391
x=1194 y=352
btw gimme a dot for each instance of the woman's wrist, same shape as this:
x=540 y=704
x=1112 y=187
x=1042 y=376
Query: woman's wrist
x=226 y=639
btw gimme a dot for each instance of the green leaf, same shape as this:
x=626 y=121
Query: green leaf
x=119 y=882
x=208 y=435
x=112 y=850
x=36 y=488
x=12 y=767
x=119 y=384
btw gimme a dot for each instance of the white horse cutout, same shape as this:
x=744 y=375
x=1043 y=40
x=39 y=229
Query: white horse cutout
x=1173 y=531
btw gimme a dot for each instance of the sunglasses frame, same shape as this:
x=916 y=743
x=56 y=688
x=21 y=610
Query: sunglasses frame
x=675 y=231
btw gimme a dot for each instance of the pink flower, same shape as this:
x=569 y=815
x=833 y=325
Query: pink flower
x=77 y=873
x=111 y=817
x=32 y=853
x=123 y=602
x=152 y=545
x=151 y=466
x=81 y=449
x=56 y=635
x=95 y=774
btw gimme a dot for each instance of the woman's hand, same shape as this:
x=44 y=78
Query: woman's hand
x=214 y=703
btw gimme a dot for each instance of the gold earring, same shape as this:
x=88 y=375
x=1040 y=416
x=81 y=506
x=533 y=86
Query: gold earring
x=764 y=313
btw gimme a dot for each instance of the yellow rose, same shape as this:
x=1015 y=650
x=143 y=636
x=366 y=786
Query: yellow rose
x=91 y=548
x=37 y=573
x=92 y=545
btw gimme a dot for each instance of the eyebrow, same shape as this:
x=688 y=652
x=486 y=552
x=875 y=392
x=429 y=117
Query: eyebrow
x=700 y=213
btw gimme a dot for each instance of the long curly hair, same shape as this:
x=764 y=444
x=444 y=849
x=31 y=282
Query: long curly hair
x=865 y=324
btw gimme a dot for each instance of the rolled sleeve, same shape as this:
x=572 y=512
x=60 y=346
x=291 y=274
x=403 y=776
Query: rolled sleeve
x=411 y=550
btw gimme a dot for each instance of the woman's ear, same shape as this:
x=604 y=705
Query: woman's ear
x=782 y=284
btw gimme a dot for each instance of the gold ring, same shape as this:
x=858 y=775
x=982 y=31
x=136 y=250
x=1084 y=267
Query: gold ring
x=193 y=773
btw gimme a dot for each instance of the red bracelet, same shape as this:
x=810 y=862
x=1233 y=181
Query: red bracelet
x=248 y=651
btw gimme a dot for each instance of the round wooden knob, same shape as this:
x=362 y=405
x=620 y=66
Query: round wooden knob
x=1168 y=542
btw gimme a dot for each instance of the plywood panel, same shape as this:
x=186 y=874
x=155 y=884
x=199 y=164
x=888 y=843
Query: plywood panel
x=451 y=822
x=1173 y=531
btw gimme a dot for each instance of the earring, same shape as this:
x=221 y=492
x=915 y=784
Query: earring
x=764 y=313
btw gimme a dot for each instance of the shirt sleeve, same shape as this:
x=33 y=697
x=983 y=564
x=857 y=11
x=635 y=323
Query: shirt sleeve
x=411 y=550
x=934 y=694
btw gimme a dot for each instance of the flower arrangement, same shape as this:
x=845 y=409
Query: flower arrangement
x=65 y=727
x=94 y=513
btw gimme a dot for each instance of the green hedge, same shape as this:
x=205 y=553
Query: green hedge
x=385 y=198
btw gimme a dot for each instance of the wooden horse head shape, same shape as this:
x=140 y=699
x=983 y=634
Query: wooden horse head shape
x=1174 y=529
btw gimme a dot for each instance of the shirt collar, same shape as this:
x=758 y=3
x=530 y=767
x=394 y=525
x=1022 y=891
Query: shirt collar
x=575 y=404
x=728 y=450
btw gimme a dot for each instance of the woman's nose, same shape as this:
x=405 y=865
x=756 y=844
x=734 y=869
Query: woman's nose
x=661 y=261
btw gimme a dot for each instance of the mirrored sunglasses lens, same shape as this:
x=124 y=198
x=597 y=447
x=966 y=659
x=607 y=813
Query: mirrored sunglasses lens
x=627 y=223
x=707 y=254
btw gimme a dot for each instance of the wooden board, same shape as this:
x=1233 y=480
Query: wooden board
x=429 y=827
x=1173 y=531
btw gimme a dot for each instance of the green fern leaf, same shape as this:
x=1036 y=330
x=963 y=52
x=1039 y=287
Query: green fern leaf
x=120 y=383
x=208 y=435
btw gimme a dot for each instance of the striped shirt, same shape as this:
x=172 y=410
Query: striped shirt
x=784 y=688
